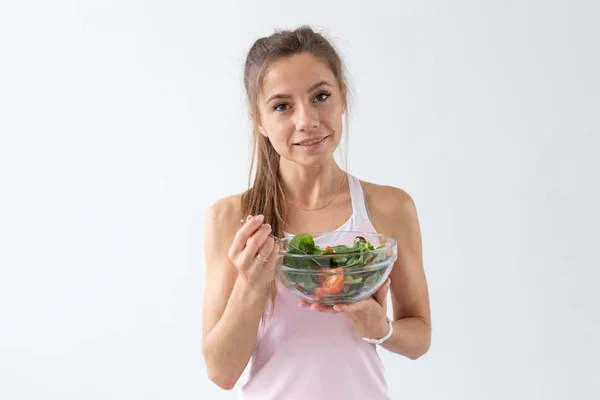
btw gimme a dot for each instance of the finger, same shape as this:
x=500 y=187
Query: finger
x=273 y=252
x=381 y=293
x=267 y=247
x=351 y=307
x=263 y=257
x=254 y=243
x=245 y=232
x=257 y=240
x=323 y=308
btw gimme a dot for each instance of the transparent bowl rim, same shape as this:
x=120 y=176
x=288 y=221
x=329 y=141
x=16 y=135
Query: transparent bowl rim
x=392 y=243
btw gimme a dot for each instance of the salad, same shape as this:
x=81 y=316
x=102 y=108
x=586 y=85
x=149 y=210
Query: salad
x=356 y=270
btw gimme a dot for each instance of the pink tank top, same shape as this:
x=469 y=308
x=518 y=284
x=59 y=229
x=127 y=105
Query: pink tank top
x=301 y=354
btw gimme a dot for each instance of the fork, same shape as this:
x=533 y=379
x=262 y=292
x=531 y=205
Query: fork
x=282 y=241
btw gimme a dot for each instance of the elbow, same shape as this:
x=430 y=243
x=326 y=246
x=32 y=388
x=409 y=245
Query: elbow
x=215 y=373
x=224 y=382
x=415 y=355
x=421 y=350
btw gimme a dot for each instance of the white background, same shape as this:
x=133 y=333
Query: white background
x=122 y=121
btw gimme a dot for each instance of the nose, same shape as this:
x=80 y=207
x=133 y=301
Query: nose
x=306 y=118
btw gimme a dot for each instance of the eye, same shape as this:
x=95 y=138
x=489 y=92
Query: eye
x=280 y=107
x=322 y=96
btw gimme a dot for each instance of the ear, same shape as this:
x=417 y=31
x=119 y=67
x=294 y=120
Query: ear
x=258 y=124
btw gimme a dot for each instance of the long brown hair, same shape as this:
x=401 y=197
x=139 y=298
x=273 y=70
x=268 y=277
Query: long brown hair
x=265 y=192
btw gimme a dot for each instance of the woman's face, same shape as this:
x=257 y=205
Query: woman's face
x=301 y=109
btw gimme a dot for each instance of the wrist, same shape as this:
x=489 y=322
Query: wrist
x=383 y=329
x=382 y=334
x=250 y=291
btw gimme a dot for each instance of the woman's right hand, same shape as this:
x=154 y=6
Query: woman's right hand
x=253 y=253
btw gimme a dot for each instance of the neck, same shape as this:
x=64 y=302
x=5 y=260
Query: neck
x=310 y=187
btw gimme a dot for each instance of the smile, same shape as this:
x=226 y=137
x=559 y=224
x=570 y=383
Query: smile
x=311 y=141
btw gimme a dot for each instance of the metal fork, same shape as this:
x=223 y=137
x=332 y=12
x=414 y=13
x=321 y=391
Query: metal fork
x=280 y=240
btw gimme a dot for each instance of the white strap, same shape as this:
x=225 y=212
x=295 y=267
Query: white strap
x=359 y=206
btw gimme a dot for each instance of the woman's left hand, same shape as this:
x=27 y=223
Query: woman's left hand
x=368 y=316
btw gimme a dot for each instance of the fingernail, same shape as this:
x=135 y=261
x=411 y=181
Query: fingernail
x=268 y=226
x=336 y=308
x=260 y=218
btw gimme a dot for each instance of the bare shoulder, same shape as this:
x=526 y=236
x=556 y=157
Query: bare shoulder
x=221 y=223
x=388 y=203
x=225 y=212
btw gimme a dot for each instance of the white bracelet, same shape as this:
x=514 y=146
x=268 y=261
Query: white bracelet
x=383 y=339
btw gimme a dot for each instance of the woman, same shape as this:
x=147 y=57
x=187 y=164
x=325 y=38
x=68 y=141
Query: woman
x=297 y=93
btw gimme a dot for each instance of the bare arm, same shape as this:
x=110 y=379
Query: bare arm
x=394 y=213
x=233 y=302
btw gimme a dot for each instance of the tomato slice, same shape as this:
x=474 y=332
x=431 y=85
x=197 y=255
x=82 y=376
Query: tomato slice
x=329 y=249
x=320 y=292
x=333 y=283
x=324 y=273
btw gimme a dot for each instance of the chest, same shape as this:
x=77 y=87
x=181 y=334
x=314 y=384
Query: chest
x=327 y=219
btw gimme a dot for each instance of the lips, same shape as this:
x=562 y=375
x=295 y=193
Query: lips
x=311 y=141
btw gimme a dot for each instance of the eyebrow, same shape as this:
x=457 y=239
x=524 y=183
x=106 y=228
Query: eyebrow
x=310 y=89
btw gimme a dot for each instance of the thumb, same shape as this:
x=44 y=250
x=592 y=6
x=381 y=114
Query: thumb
x=381 y=293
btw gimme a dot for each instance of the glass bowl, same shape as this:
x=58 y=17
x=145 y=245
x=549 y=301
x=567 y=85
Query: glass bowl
x=339 y=267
